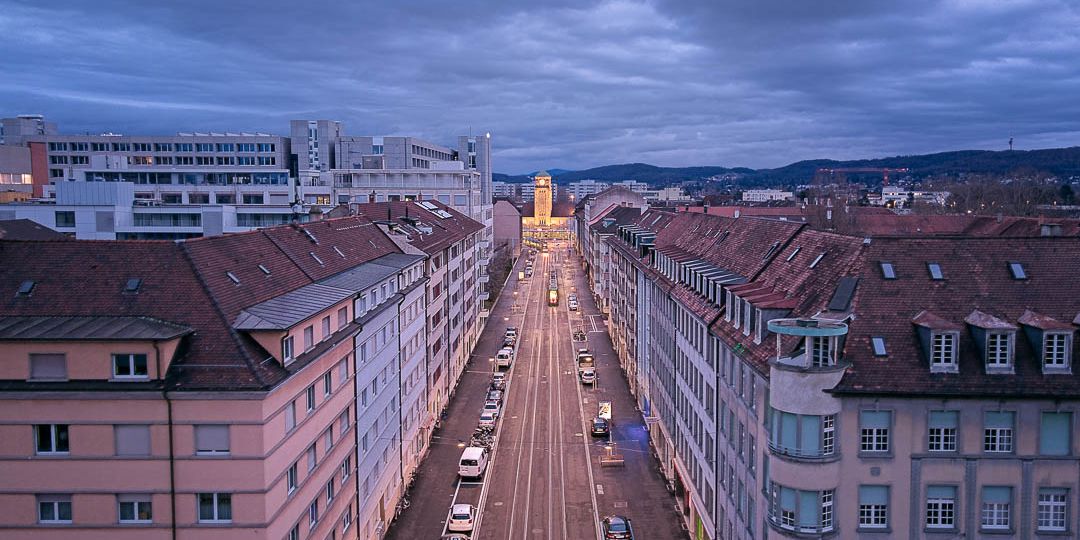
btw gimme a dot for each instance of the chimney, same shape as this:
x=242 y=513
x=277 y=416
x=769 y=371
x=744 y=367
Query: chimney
x=371 y=197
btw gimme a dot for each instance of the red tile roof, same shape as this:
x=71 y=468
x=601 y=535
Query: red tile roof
x=444 y=231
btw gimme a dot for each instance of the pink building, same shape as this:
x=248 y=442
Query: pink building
x=238 y=386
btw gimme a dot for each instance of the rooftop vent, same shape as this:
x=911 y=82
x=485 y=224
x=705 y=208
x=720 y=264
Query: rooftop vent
x=132 y=285
x=316 y=257
x=232 y=277
x=794 y=253
x=818 y=259
x=310 y=236
x=25 y=288
x=772 y=249
x=264 y=269
x=338 y=251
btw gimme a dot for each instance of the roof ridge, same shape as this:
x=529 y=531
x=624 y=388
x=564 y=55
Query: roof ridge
x=221 y=315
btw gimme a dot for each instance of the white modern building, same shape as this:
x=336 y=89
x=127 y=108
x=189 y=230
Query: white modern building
x=578 y=190
x=765 y=195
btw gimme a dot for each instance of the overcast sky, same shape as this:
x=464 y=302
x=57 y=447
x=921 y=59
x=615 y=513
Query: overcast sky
x=757 y=83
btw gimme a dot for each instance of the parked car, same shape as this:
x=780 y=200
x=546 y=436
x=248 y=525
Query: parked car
x=495 y=395
x=463 y=516
x=573 y=305
x=588 y=375
x=498 y=380
x=511 y=332
x=600 y=427
x=473 y=462
x=487 y=419
x=454 y=536
x=492 y=407
x=617 y=528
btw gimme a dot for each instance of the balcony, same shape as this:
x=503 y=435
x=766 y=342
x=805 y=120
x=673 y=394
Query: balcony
x=820 y=344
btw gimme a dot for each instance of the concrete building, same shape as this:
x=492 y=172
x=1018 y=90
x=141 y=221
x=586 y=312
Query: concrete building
x=765 y=195
x=16 y=173
x=18 y=130
x=506 y=190
x=582 y=188
x=297 y=402
x=803 y=383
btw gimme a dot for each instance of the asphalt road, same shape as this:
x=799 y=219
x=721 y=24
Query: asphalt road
x=545 y=479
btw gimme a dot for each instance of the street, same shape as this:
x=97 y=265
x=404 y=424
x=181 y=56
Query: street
x=544 y=478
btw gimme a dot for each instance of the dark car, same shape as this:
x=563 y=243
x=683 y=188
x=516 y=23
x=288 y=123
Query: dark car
x=600 y=427
x=617 y=527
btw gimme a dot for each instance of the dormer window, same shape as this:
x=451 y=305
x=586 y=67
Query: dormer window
x=738 y=311
x=943 y=352
x=998 y=351
x=1055 y=350
x=286 y=350
x=129 y=366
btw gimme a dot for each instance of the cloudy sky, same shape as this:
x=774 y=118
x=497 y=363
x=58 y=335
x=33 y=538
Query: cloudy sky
x=564 y=84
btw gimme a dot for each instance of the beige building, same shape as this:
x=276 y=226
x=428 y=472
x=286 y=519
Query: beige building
x=799 y=383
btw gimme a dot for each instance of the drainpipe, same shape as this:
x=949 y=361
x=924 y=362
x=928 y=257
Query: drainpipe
x=401 y=397
x=172 y=456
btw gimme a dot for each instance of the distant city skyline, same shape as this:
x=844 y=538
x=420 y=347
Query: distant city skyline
x=570 y=85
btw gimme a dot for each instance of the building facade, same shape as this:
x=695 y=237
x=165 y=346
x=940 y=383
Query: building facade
x=799 y=383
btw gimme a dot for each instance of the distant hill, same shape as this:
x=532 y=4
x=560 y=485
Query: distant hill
x=1062 y=162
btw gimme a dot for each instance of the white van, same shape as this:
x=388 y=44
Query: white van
x=473 y=462
x=504 y=357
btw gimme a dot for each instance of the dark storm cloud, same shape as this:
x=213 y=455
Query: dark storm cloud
x=572 y=85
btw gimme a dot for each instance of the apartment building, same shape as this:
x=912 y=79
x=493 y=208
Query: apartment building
x=766 y=195
x=588 y=209
x=582 y=188
x=267 y=384
x=802 y=383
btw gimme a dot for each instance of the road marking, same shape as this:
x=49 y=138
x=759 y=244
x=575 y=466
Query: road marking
x=599 y=489
x=619 y=504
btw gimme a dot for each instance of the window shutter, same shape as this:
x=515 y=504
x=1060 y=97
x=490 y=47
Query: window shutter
x=788 y=429
x=941 y=492
x=132 y=440
x=787 y=499
x=997 y=494
x=874 y=419
x=1054 y=435
x=943 y=419
x=809 y=508
x=999 y=419
x=212 y=438
x=874 y=495
x=48 y=366
x=810 y=437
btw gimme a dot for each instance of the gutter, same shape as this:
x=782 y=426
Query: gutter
x=172 y=456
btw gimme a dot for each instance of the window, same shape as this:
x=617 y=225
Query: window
x=801 y=511
x=330 y=492
x=941 y=435
x=879 y=346
x=998 y=347
x=805 y=436
x=290 y=416
x=828 y=434
x=343 y=422
x=309 y=338
x=935 y=271
x=817 y=259
x=943 y=352
x=887 y=271
x=996 y=507
x=328 y=383
x=820 y=351
x=1017 y=270
x=326 y=327
x=215 y=507
x=287 y=349
x=346 y=518
x=342 y=317
x=65 y=219
x=312 y=458
x=1055 y=351
x=940 y=507
x=343 y=371
x=1054 y=434
x=212 y=439
x=48 y=367
x=346 y=469
x=998 y=431
x=290 y=478
x=328 y=439
x=54 y=508
x=874 y=430
x=132 y=440
x=52 y=438
x=129 y=366
x=873 y=507
x=1053 y=512
x=294 y=533
x=310 y=398
x=313 y=514
x=134 y=508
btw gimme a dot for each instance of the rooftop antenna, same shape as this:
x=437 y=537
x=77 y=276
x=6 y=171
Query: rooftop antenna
x=1010 y=143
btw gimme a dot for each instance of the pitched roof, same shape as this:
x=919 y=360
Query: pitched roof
x=103 y=328
x=431 y=231
x=25 y=229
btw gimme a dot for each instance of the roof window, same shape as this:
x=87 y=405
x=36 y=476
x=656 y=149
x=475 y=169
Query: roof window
x=818 y=259
x=316 y=257
x=935 y=271
x=232 y=277
x=879 y=345
x=794 y=253
x=25 y=288
x=264 y=269
x=132 y=285
x=887 y=270
x=338 y=251
x=1017 y=270
x=772 y=249
x=310 y=236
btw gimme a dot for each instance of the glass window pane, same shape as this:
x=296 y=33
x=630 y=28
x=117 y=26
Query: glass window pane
x=809 y=508
x=224 y=506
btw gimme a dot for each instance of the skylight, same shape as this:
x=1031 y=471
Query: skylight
x=794 y=253
x=132 y=285
x=26 y=288
x=935 y=271
x=879 y=346
x=316 y=257
x=1017 y=270
x=338 y=251
x=772 y=249
x=232 y=277
x=887 y=270
x=310 y=236
x=264 y=269
x=818 y=259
